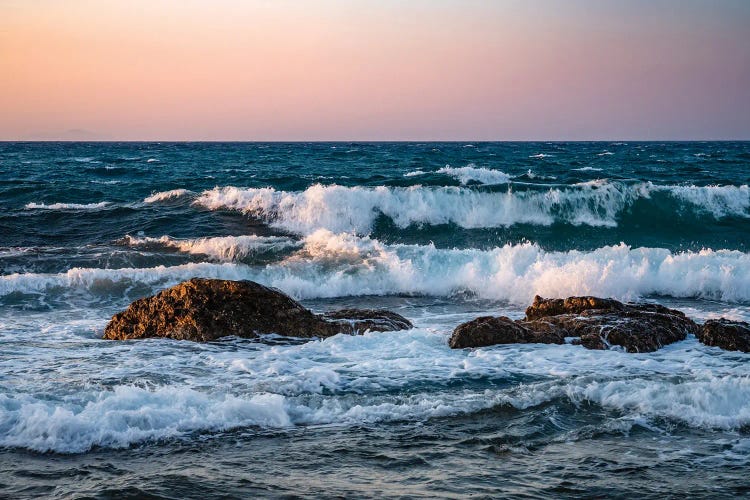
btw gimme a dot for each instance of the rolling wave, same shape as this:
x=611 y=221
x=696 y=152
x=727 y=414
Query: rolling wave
x=222 y=248
x=339 y=208
x=167 y=195
x=338 y=265
x=471 y=173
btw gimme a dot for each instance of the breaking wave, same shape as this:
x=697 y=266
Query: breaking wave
x=337 y=265
x=167 y=195
x=471 y=173
x=338 y=381
x=223 y=248
x=339 y=208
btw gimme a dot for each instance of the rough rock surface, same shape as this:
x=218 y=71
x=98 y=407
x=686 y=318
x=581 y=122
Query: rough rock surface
x=206 y=309
x=490 y=330
x=542 y=308
x=377 y=320
x=729 y=335
x=595 y=323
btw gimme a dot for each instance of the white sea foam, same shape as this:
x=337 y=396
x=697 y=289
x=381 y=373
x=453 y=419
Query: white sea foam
x=338 y=381
x=540 y=155
x=167 y=195
x=341 y=208
x=224 y=248
x=719 y=201
x=127 y=415
x=335 y=265
x=471 y=173
x=588 y=169
x=533 y=175
x=66 y=206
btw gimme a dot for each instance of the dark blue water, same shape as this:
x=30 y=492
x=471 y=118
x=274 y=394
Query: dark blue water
x=440 y=232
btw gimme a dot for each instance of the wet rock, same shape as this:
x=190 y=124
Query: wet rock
x=207 y=309
x=491 y=330
x=729 y=335
x=596 y=323
x=542 y=308
x=376 y=320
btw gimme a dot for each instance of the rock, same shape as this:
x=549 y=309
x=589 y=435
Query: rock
x=490 y=330
x=632 y=329
x=376 y=320
x=729 y=335
x=207 y=309
x=597 y=324
x=541 y=308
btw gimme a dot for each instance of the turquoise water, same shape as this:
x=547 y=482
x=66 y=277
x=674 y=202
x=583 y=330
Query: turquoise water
x=440 y=232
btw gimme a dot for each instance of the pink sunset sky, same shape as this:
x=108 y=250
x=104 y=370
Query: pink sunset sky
x=374 y=70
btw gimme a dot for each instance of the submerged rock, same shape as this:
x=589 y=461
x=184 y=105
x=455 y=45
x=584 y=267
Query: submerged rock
x=729 y=335
x=207 y=309
x=594 y=322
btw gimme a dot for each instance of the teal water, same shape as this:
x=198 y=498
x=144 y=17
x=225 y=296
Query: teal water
x=440 y=232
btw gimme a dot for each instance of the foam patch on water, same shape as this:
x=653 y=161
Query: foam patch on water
x=336 y=265
x=66 y=206
x=339 y=208
x=222 y=248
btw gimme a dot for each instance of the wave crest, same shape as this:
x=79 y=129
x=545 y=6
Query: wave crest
x=223 y=248
x=167 y=195
x=471 y=173
x=336 y=265
x=340 y=209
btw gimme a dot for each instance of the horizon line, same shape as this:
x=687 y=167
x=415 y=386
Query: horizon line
x=361 y=141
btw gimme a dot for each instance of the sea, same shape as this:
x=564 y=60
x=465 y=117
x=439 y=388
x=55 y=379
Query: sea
x=439 y=232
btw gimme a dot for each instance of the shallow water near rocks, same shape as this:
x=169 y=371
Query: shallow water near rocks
x=395 y=413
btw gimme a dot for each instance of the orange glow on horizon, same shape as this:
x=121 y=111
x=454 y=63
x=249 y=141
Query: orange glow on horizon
x=364 y=70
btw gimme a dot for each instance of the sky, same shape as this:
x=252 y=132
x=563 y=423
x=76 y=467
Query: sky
x=277 y=70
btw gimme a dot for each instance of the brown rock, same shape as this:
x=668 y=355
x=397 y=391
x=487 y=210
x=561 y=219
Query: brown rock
x=206 y=309
x=491 y=330
x=729 y=335
x=376 y=320
x=596 y=323
x=541 y=307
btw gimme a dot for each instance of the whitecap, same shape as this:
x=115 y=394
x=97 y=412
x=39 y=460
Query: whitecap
x=222 y=248
x=478 y=174
x=339 y=265
x=66 y=206
x=167 y=195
